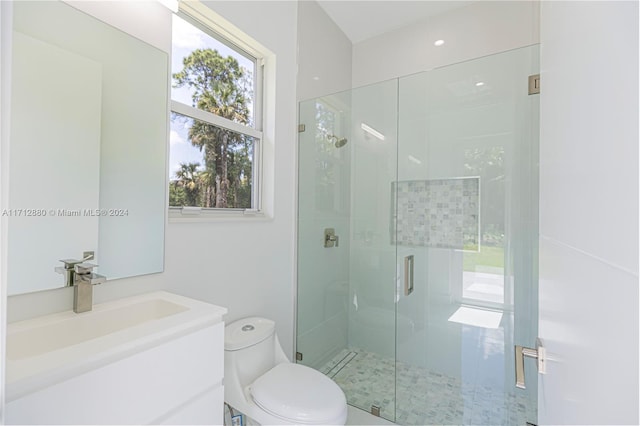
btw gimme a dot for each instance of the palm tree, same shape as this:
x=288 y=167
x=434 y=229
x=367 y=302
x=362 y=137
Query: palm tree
x=187 y=179
x=206 y=185
x=219 y=87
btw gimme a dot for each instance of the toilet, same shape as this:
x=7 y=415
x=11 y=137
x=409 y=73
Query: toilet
x=263 y=384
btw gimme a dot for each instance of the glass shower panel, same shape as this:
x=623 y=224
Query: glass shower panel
x=324 y=181
x=467 y=227
x=346 y=282
x=369 y=377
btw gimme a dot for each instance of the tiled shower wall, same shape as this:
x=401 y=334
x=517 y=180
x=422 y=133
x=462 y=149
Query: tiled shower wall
x=440 y=213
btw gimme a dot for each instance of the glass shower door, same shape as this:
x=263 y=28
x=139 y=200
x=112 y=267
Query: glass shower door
x=369 y=378
x=466 y=232
x=417 y=241
x=346 y=261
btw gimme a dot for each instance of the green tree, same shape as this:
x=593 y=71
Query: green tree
x=187 y=185
x=176 y=194
x=219 y=86
x=488 y=162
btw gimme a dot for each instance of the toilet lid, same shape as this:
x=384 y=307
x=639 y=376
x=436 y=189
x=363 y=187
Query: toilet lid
x=295 y=392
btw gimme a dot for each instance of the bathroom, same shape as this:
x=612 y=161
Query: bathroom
x=249 y=264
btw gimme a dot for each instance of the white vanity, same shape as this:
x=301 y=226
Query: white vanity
x=157 y=358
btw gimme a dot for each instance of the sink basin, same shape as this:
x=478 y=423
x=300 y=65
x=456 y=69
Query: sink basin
x=53 y=348
x=51 y=336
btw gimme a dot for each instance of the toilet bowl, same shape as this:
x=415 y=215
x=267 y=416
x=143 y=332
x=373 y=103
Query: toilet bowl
x=264 y=385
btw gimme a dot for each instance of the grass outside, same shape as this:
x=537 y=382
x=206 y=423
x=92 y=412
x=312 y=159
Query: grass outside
x=487 y=260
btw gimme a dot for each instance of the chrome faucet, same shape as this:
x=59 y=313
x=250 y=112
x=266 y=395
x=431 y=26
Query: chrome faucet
x=68 y=269
x=83 y=287
x=81 y=277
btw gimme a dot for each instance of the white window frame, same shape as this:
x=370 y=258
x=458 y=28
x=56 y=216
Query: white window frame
x=201 y=18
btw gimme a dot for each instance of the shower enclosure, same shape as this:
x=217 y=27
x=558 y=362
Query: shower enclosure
x=417 y=241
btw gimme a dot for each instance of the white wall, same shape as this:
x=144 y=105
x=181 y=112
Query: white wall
x=480 y=29
x=247 y=264
x=324 y=53
x=149 y=21
x=589 y=212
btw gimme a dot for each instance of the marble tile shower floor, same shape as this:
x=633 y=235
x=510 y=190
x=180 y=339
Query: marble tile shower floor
x=424 y=397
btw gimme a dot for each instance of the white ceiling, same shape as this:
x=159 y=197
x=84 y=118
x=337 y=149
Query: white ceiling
x=361 y=20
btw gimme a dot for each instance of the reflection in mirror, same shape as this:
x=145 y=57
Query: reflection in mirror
x=88 y=147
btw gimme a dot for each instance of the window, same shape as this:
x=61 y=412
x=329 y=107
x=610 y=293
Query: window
x=215 y=135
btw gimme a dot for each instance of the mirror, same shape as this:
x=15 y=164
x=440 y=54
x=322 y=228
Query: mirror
x=88 y=144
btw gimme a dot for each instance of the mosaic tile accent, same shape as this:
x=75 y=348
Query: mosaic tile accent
x=441 y=213
x=423 y=397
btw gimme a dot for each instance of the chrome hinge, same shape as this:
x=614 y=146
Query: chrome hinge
x=534 y=84
x=301 y=128
x=330 y=238
x=298 y=356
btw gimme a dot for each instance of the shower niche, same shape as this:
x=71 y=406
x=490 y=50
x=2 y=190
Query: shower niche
x=439 y=167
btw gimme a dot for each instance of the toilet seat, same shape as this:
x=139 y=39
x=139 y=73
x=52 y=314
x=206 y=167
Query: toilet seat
x=299 y=394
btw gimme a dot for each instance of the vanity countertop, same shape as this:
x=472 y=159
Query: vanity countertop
x=50 y=349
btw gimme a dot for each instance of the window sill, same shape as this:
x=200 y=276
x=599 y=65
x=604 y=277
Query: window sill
x=180 y=215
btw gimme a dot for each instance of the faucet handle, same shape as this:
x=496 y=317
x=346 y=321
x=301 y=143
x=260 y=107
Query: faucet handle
x=84 y=268
x=85 y=274
x=71 y=263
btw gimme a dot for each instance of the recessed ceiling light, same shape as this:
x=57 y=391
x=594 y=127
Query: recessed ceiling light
x=480 y=83
x=316 y=78
x=438 y=42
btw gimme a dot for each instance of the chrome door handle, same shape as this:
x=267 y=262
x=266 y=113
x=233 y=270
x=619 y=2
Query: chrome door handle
x=408 y=275
x=521 y=352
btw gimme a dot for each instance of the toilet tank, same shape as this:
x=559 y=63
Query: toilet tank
x=250 y=348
